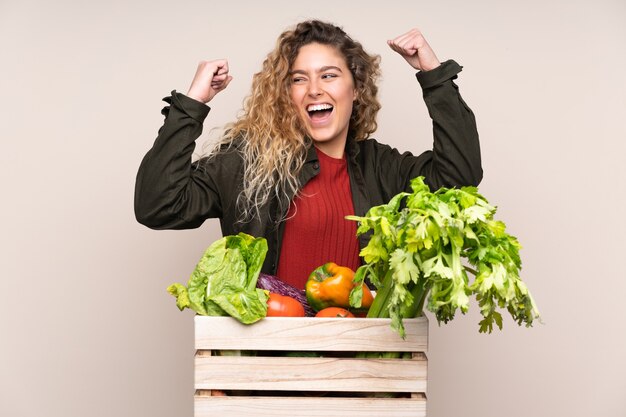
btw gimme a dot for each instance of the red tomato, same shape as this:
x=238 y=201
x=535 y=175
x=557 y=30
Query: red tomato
x=334 y=312
x=284 y=306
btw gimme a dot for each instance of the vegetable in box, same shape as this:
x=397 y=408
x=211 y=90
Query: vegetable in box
x=420 y=245
x=224 y=281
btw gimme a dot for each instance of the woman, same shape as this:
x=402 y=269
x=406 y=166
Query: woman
x=299 y=159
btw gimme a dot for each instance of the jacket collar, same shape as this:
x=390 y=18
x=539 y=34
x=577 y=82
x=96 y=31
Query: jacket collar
x=352 y=148
x=311 y=155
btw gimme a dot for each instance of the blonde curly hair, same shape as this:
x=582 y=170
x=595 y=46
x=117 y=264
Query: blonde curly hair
x=269 y=132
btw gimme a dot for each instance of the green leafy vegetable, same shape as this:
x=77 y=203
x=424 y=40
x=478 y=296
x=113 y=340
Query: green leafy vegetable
x=224 y=280
x=420 y=246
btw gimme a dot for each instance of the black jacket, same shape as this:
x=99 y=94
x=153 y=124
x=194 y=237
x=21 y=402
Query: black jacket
x=173 y=193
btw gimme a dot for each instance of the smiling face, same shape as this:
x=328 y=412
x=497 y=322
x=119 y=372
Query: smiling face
x=322 y=89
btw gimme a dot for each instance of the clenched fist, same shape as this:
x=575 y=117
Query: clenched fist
x=211 y=78
x=414 y=48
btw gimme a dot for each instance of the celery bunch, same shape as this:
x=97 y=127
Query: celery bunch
x=424 y=244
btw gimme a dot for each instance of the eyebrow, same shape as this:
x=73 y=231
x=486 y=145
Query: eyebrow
x=324 y=68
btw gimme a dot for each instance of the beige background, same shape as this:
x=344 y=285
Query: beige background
x=86 y=326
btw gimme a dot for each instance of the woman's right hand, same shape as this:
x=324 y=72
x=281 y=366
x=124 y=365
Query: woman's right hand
x=211 y=78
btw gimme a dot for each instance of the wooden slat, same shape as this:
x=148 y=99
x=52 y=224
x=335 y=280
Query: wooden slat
x=310 y=374
x=307 y=407
x=310 y=334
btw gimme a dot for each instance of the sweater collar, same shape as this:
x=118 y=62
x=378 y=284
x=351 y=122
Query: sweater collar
x=352 y=150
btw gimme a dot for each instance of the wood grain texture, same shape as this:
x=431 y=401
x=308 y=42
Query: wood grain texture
x=310 y=334
x=307 y=407
x=310 y=374
x=334 y=384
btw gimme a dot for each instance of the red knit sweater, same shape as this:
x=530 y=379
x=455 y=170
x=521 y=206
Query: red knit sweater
x=316 y=231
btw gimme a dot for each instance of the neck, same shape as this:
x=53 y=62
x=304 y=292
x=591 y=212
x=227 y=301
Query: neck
x=334 y=150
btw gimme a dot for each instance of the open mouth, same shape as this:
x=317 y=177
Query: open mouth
x=318 y=112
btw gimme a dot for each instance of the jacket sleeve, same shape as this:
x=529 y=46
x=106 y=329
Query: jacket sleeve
x=170 y=191
x=455 y=157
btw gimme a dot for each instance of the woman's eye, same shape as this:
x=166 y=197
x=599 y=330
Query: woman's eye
x=298 y=80
x=328 y=76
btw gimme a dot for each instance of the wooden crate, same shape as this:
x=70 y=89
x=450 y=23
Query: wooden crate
x=336 y=384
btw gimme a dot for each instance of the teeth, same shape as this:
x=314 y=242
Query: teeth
x=317 y=107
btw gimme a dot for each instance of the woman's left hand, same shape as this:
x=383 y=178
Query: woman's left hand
x=414 y=48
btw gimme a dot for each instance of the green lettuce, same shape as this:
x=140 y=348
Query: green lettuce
x=224 y=280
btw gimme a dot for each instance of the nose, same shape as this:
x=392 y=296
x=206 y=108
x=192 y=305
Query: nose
x=315 y=89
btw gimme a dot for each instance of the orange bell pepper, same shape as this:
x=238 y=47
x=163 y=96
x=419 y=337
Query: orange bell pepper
x=330 y=286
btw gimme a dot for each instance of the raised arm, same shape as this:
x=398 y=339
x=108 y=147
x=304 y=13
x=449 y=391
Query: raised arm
x=455 y=158
x=170 y=192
